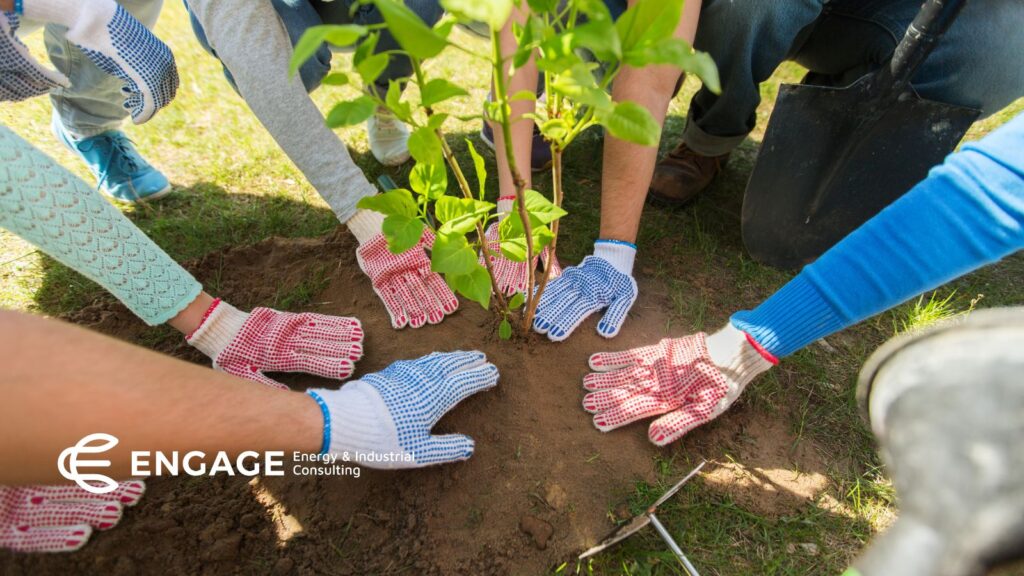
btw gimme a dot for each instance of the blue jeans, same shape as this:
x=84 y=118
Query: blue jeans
x=976 y=63
x=299 y=15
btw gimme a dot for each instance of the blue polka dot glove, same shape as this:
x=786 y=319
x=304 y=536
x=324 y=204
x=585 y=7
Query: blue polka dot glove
x=120 y=46
x=384 y=420
x=21 y=77
x=602 y=281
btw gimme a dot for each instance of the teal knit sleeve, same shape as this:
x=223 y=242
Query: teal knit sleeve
x=46 y=205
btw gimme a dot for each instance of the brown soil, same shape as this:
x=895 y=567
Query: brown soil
x=537 y=491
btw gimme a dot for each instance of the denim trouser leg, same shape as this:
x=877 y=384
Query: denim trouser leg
x=94 y=103
x=399 y=67
x=299 y=15
x=974 y=65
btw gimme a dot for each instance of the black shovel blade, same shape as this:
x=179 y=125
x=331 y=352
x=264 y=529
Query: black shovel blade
x=834 y=157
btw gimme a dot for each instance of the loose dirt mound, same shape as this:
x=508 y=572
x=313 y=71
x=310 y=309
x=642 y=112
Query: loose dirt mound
x=537 y=491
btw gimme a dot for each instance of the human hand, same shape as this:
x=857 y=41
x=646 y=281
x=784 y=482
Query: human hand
x=120 y=46
x=690 y=381
x=412 y=294
x=249 y=344
x=383 y=420
x=60 y=518
x=603 y=281
x=21 y=76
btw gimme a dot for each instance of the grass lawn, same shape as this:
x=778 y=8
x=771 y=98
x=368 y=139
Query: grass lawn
x=235 y=187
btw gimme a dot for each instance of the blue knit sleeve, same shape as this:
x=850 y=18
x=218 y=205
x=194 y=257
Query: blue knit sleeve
x=967 y=213
x=46 y=205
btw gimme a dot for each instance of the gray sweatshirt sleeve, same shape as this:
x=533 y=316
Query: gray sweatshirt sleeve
x=250 y=39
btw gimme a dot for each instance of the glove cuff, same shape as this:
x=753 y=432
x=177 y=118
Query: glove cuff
x=365 y=224
x=619 y=254
x=219 y=328
x=737 y=355
x=358 y=426
x=505 y=206
x=63 y=12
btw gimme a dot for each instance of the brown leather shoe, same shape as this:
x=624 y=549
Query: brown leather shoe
x=683 y=174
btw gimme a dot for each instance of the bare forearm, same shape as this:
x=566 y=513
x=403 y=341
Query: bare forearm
x=628 y=168
x=63 y=382
x=525 y=78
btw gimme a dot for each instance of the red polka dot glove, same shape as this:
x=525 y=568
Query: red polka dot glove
x=60 y=518
x=248 y=345
x=511 y=277
x=411 y=292
x=688 y=381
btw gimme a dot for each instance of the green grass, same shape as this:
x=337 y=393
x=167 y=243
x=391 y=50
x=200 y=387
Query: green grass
x=235 y=187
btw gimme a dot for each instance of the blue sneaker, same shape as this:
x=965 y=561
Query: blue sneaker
x=122 y=173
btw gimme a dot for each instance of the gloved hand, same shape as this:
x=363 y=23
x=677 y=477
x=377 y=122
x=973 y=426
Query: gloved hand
x=21 y=77
x=511 y=277
x=247 y=344
x=60 y=518
x=411 y=292
x=691 y=380
x=383 y=420
x=120 y=46
x=602 y=281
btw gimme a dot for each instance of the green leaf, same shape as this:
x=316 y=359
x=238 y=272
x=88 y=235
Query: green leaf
x=315 y=36
x=557 y=54
x=336 y=79
x=481 y=168
x=425 y=146
x=476 y=285
x=439 y=90
x=648 y=21
x=430 y=180
x=372 y=67
x=397 y=202
x=517 y=301
x=435 y=120
x=460 y=215
x=505 y=329
x=444 y=26
x=598 y=34
x=632 y=122
x=402 y=232
x=365 y=48
x=352 y=112
x=494 y=13
x=542 y=5
x=540 y=208
x=415 y=37
x=555 y=130
x=452 y=255
x=524 y=95
x=513 y=237
x=676 y=52
x=393 y=99
x=578 y=84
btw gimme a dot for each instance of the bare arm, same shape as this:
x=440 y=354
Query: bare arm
x=628 y=168
x=525 y=78
x=62 y=382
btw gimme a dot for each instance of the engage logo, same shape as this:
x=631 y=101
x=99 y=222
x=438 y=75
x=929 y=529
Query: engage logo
x=68 y=463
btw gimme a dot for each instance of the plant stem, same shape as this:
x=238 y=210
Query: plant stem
x=556 y=181
x=449 y=156
x=467 y=192
x=500 y=96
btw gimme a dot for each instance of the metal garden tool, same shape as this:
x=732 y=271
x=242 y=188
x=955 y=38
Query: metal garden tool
x=648 y=517
x=834 y=157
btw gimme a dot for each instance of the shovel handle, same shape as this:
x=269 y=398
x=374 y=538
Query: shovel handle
x=924 y=32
